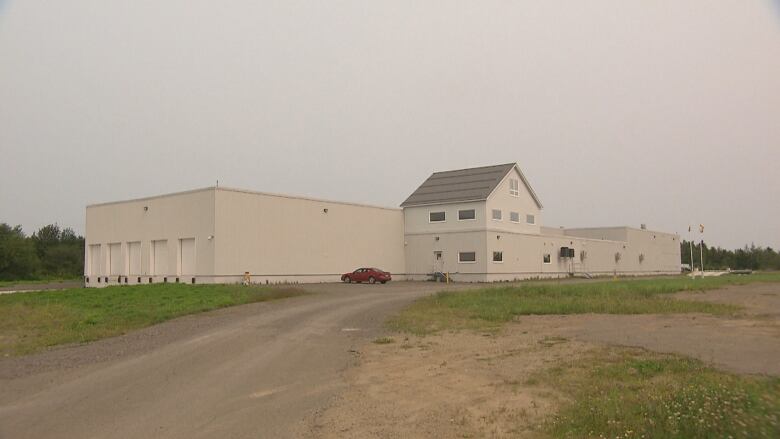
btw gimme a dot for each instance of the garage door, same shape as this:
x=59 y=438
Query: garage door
x=187 y=256
x=134 y=258
x=94 y=260
x=160 y=257
x=115 y=259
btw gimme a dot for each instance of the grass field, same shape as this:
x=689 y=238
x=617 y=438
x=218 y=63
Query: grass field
x=620 y=393
x=11 y=283
x=32 y=321
x=489 y=308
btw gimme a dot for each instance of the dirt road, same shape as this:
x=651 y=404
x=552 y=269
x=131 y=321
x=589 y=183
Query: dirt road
x=250 y=371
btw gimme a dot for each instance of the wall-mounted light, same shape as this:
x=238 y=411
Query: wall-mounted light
x=325 y=210
x=146 y=208
x=498 y=236
x=210 y=237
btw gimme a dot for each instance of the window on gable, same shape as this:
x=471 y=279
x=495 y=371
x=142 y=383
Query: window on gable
x=530 y=219
x=468 y=214
x=497 y=214
x=437 y=217
x=498 y=256
x=514 y=217
x=514 y=187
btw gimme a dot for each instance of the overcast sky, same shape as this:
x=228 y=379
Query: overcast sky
x=619 y=112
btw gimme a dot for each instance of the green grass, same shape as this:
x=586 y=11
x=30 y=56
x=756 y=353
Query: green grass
x=489 y=308
x=634 y=393
x=11 y=283
x=32 y=321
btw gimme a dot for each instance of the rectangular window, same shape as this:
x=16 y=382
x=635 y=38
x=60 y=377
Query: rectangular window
x=467 y=257
x=530 y=219
x=514 y=217
x=498 y=256
x=468 y=214
x=547 y=259
x=437 y=217
x=514 y=187
x=497 y=214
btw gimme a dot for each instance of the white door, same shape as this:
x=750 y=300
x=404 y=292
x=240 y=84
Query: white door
x=115 y=263
x=134 y=258
x=438 y=261
x=160 y=257
x=187 y=257
x=94 y=260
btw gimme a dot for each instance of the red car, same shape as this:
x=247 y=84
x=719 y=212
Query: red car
x=370 y=275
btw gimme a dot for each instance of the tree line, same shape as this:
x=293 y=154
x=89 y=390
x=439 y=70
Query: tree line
x=50 y=252
x=717 y=258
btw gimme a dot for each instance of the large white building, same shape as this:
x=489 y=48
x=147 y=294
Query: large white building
x=479 y=224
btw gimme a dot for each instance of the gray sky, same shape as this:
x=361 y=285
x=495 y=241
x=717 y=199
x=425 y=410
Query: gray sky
x=619 y=112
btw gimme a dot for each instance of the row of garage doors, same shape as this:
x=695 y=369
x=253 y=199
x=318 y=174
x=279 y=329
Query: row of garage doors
x=125 y=260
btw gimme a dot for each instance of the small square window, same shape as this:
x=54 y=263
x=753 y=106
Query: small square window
x=467 y=257
x=497 y=214
x=547 y=259
x=437 y=217
x=498 y=256
x=530 y=219
x=468 y=214
x=514 y=217
x=514 y=187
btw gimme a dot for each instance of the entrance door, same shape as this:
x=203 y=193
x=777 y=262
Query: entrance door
x=438 y=261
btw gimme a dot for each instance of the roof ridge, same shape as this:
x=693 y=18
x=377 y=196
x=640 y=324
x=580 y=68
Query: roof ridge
x=476 y=167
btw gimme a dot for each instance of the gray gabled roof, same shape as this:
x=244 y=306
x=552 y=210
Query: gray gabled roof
x=473 y=184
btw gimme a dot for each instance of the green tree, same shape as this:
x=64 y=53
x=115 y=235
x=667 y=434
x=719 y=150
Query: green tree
x=18 y=258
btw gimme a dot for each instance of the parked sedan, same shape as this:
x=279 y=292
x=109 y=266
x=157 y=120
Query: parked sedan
x=370 y=275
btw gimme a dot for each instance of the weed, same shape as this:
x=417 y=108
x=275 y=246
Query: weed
x=384 y=340
x=487 y=309
x=634 y=393
x=33 y=321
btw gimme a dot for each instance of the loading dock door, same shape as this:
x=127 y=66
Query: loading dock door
x=94 y=260
x=160 y=257
x=134 y=258
x=115 y=259
x=187 y=256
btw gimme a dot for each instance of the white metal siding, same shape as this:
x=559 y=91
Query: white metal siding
x=187 y=256
x=134 y=258
x=160 y=257
x=115 y=259
x=94 y=260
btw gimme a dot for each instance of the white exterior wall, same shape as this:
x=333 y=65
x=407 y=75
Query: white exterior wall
x=416 y=219
x=523 y=204
x=523 y=255
x=286 y=239
x=421 y=261
x=166 y=218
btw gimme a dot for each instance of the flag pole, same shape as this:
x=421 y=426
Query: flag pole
x=701 y=249
x=690 y=237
